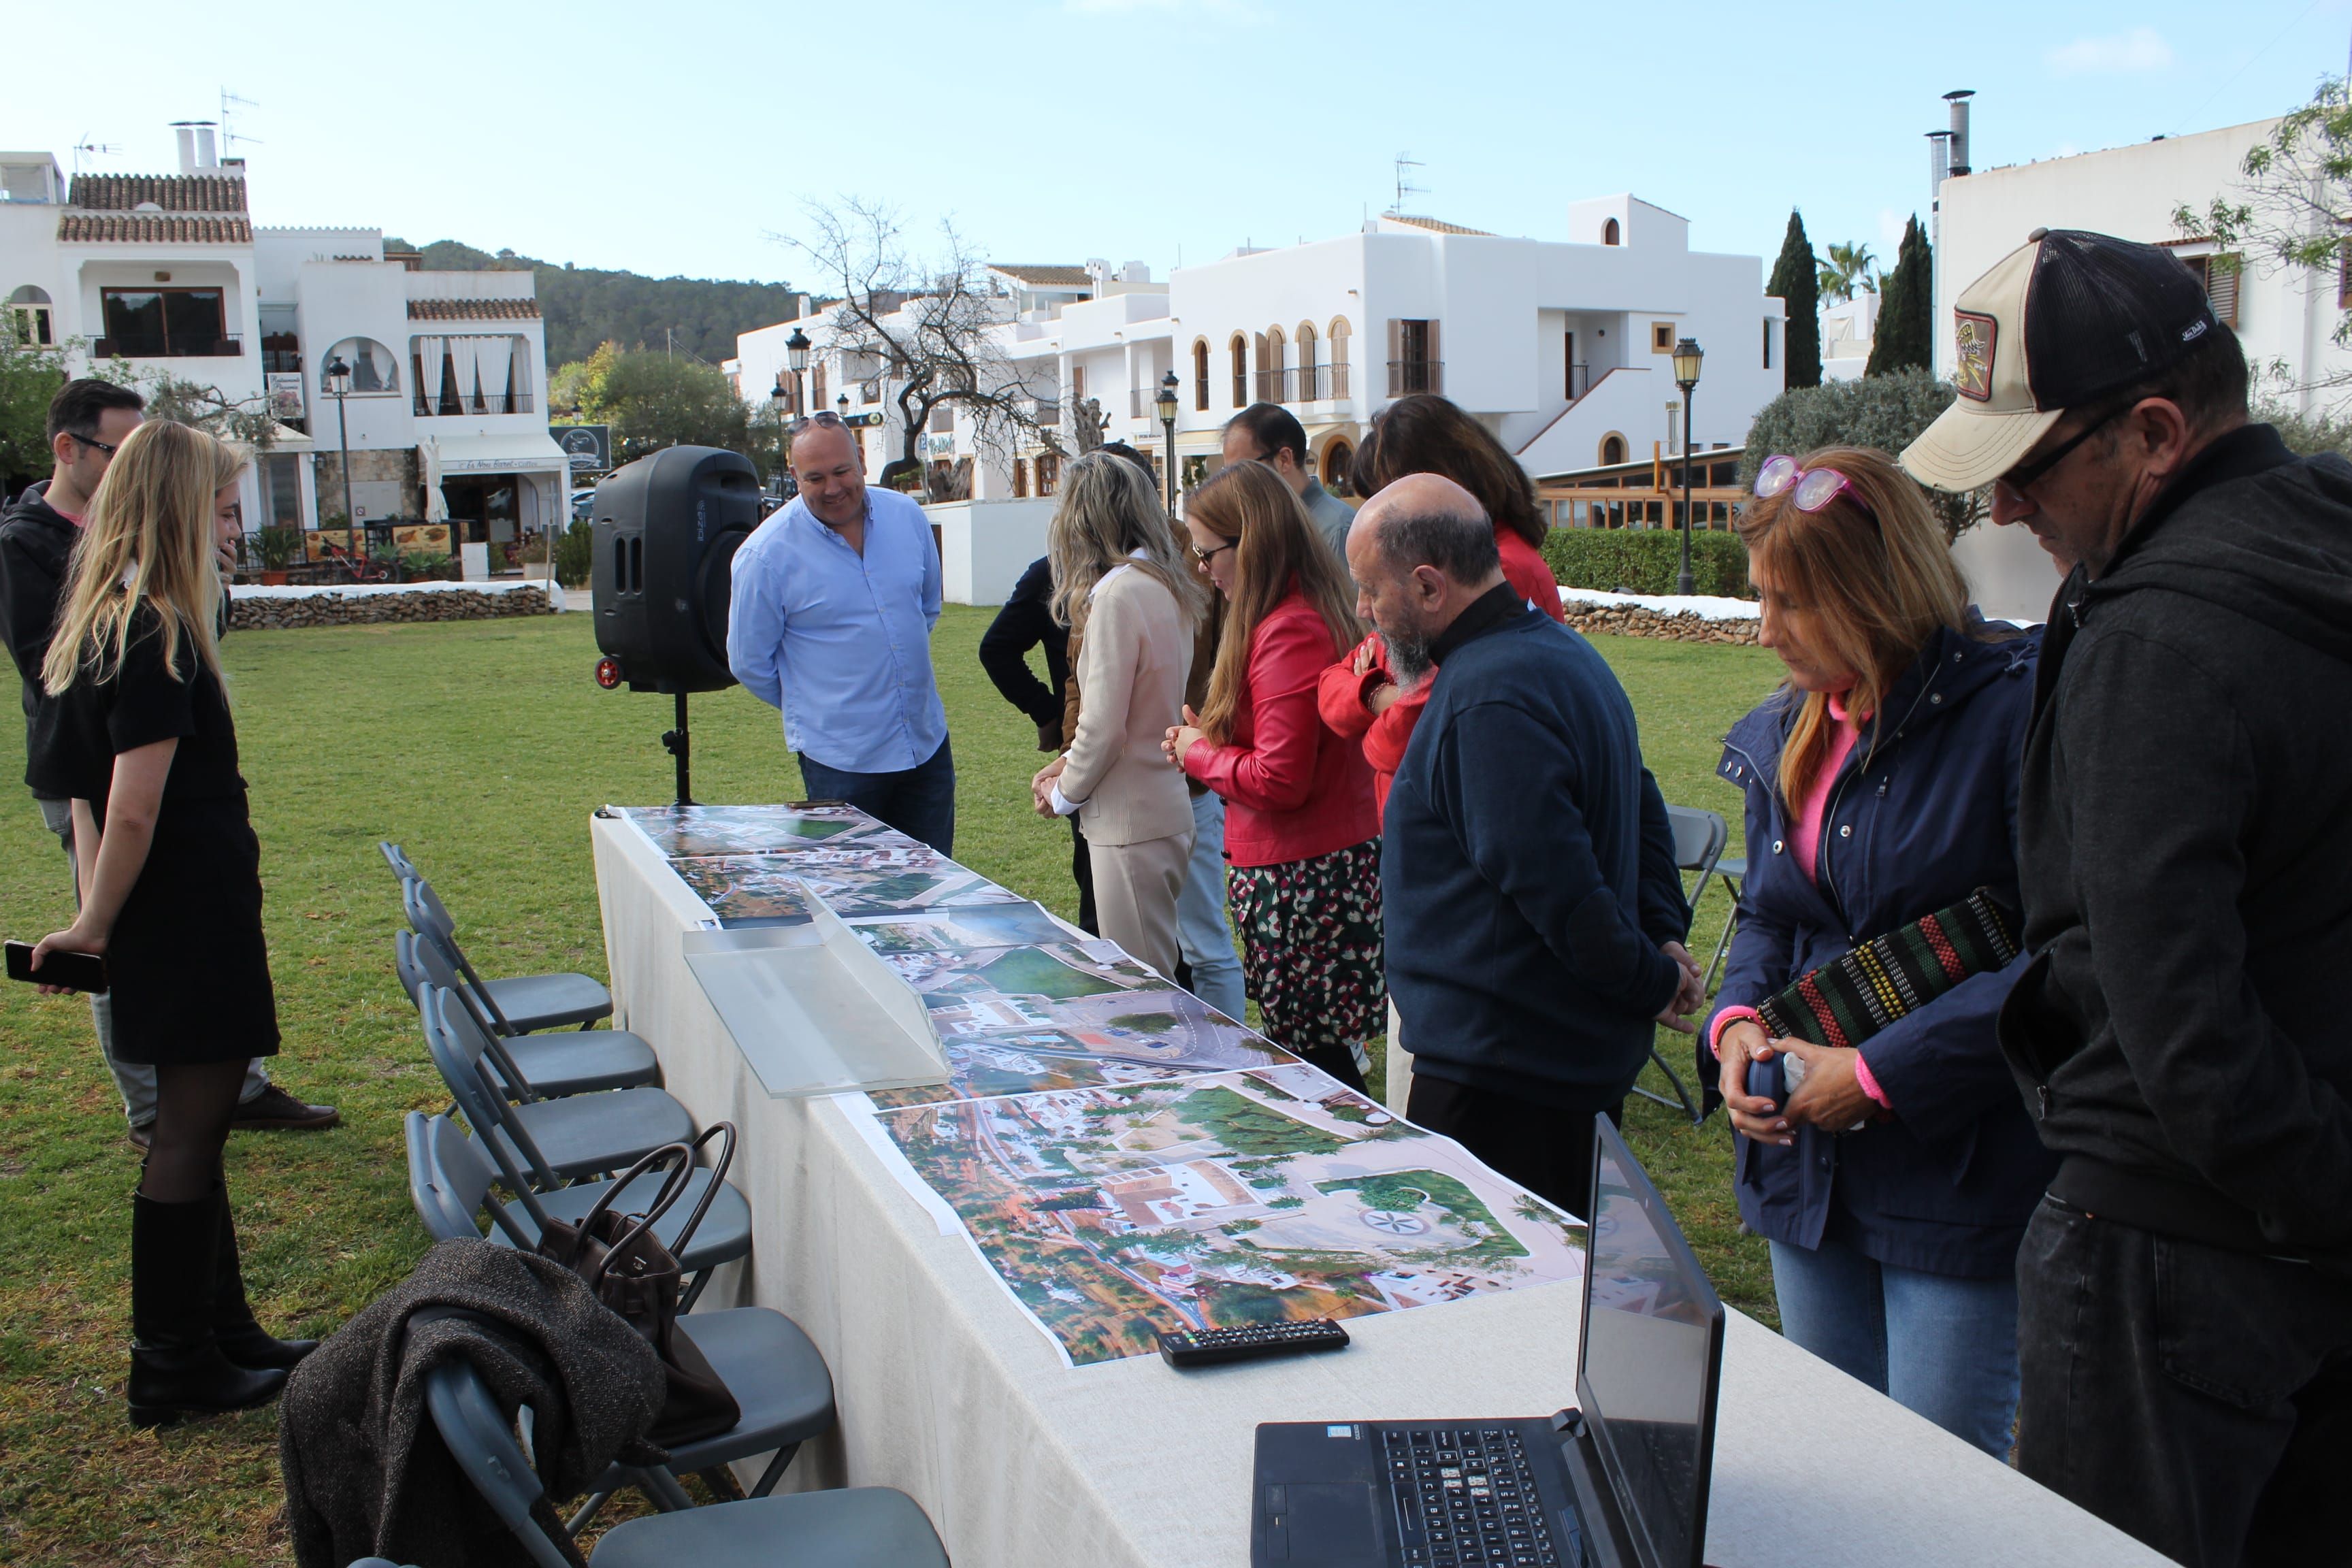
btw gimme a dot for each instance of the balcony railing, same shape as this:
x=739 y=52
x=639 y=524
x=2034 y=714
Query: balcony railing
x=229 y=345
x=1303 y=384
x=280 y=362
x=1407 y=377
x=518 y=403
x=1580 y=381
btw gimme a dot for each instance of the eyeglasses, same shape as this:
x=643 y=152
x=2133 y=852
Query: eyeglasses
x=1808 y=489
x=2025 y=476
x=99 y=445
x=1205 y=556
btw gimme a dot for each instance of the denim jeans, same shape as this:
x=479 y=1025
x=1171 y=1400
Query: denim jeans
x=920 y=801
x=1943 y=1347
x=1201 y=930
x=2196 y=1398
x=135 y=1081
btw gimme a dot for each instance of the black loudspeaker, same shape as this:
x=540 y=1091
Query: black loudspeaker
x=666 y=530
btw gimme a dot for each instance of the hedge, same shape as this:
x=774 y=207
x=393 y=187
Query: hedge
x=1646 y=560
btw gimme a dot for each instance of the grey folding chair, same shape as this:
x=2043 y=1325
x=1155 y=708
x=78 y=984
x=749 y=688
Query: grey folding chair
x=1699 y=838
x=522 y=1006
x=778 y=1378
x=861 y=1527
x=397 y=858
x=559 y=1139
x=531 y=1066
x=1733 y=870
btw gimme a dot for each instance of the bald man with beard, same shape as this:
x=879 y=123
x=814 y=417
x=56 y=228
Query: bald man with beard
x=1534 y=915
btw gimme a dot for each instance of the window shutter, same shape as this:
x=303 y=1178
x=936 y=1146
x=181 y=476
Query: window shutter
x=2221 y=275
x=1434 y=377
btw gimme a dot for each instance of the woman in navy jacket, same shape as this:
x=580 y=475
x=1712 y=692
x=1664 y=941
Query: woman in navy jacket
x=1896 y=1181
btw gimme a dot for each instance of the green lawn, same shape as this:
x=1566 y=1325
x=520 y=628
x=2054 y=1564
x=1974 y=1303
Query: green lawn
x=482 y=746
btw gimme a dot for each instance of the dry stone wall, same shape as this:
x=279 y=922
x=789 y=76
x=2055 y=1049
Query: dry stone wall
x=1640 y=621
x=365 y=609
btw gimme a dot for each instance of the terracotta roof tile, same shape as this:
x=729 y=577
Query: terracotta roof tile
x=152 y=228
x=473 y=309
x=172 y=192
x=1045 y=276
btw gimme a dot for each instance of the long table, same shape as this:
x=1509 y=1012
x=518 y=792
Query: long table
x=949 y=1393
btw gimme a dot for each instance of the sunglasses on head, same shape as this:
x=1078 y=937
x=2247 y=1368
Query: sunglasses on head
x=1808 y=489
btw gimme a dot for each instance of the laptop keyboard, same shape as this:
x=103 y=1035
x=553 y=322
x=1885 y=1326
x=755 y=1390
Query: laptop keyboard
x=1464 y=1496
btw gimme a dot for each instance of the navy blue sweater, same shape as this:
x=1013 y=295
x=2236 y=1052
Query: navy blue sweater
x=1527 y=874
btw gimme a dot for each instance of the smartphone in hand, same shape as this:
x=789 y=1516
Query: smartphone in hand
x=75 y=971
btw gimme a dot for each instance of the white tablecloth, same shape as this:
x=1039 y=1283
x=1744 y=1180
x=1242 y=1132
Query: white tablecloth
x=949 y=1393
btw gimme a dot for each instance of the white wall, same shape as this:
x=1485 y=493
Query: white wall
x=2011 y=576
x=984 y=546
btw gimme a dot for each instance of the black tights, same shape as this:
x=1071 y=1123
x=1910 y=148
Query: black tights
x=194 y=1103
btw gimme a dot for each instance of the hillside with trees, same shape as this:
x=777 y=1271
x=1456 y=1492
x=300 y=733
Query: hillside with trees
x=585 y=306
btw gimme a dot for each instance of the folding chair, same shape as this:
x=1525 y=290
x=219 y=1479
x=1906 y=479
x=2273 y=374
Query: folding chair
x=1733 y=870
x=778 y=1378
x=559 y=1140
x=861 y=1527
x=522 y=1006
x=531 y=1066
x=1699 y=838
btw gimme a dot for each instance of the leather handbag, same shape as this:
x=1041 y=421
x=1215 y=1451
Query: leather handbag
x=625 y=1263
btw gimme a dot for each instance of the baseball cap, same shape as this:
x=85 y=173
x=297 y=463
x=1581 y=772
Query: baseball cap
x=2066 y=319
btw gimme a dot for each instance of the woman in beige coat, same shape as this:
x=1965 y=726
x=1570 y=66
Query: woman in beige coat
x=1133 y=608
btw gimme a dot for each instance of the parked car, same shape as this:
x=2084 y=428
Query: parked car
x=583 y=505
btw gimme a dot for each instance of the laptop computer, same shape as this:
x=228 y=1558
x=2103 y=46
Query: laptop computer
x=1618 y=1481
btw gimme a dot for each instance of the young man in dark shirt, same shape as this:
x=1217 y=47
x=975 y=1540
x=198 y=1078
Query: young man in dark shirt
x=1534 y=917
x=2185 y=840
x=88 y=420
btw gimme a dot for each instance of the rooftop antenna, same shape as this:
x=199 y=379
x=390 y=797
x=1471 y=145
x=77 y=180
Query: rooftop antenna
x=228 y=137
x=1404 y=185
x=85 y=147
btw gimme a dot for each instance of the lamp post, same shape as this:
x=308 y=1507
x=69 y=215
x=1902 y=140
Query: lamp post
x=339 y=386
x=796 y=352
x=780 y=402
x=1166 y=403
x=1688 y=355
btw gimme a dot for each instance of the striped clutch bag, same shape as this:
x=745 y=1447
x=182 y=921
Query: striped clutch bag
x=1845 y=1003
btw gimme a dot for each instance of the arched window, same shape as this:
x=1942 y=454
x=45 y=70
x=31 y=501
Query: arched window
x=1200 y=375
x=1338 y=460
x=29 y=307
x=1611 y=234
x=1241 y=371
x=1339 y=333
x=1269 y=375
x=375 y=369
x=1612 y=449
x=1310 y=378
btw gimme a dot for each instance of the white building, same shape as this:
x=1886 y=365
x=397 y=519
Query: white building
x=2283 y=317
x=1849 y=327
x=167 y=274
x=1562 y=348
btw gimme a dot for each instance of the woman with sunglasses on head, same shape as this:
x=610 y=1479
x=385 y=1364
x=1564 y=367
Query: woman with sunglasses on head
x=1893 y=1174
x=1131 y=606
x=1426 y=434
x=1302 y=834
x=140 y=740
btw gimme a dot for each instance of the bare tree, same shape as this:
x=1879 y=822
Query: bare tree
x=2292 y=209
x=923 y=325
x=1087 y=423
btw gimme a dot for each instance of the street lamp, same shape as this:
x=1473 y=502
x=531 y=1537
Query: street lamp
x=780 y=402
x=796 y=352
x=1166 y=402
x=339 y=386
x=1688 y=355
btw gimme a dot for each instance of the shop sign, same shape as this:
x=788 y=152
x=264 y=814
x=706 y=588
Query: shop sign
x=588 y=446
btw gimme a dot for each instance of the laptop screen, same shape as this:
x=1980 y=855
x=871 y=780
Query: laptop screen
x=1652 y=1345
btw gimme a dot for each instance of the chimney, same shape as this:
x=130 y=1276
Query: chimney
x=186 y=131
x=207 y=155
x=199 y=153
x=1960 y=133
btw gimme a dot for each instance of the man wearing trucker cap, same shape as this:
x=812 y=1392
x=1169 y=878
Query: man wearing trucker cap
x=2184 y=1034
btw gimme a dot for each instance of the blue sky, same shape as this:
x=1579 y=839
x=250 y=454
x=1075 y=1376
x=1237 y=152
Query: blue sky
x=684 y=139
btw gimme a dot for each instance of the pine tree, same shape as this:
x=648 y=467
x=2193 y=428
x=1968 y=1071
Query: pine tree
x=1796 y=283
x=1907 y=310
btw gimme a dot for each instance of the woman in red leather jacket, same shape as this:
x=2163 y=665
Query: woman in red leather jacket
x=1302 y=833
x=1425 y=434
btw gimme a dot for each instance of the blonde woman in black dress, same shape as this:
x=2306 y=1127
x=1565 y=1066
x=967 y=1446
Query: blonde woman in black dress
x=140 y=740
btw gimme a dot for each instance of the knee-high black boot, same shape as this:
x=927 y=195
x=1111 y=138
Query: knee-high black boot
x=245 y=1341
x=176 y=1366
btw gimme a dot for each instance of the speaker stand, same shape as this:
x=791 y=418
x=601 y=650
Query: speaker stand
x=680 y=744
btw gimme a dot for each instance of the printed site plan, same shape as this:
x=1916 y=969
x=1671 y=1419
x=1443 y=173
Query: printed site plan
x=1112 y=1213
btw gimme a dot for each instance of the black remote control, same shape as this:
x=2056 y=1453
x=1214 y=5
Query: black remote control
x=1188 y=1347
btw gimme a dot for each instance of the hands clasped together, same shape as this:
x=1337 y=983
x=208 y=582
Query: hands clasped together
x=1830 y=1098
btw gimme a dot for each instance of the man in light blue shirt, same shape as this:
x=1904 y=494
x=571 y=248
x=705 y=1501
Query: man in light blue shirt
x=835 y=599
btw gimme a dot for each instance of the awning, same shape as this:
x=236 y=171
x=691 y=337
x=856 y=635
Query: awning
x=286 y=439
x=532 y=451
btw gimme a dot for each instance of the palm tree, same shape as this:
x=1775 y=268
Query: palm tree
x=1846 y=273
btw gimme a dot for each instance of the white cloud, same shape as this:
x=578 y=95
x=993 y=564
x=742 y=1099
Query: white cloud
x=2115 y=54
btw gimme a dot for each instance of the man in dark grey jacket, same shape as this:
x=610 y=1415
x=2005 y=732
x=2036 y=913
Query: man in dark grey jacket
x=2185 y=841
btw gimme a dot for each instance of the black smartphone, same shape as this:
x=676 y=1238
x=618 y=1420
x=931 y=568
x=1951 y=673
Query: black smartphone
x=77 y=971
